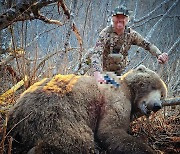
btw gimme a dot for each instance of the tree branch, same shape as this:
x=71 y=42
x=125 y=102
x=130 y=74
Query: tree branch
x=49 y=21
x=64 y=7
x=26 y=10
x=18 y=53
x=152 y=18
x=150 y=13
x=3 y=51
x=155 y=26
x=164 y=15
x=171 y=101
x=174 y=45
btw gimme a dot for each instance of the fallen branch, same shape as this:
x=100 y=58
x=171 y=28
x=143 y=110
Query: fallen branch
x=171 y=101
x=11 y=91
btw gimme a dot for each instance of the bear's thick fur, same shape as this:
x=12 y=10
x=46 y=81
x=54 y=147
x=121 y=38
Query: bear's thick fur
x=71 y=114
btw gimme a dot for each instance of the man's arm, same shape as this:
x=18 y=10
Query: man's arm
x=96 y=59
x=140 y=41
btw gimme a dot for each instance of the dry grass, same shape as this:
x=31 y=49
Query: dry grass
x=160 y=131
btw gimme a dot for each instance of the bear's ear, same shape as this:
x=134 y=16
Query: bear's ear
x=141 y=68
x=164 y=93
x=163 y=89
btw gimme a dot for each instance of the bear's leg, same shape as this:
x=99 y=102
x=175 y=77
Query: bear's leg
x=118 y=141
x=77 y=140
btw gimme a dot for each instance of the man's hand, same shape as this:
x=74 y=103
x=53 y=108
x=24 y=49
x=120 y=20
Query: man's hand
x=163 y=58
x=99 y=77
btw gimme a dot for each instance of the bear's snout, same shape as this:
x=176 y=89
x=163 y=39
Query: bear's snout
x=150 y=103
x=154 y=105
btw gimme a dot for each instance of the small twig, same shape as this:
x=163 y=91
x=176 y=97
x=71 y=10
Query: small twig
x=164 y=15
x=148 y=15
x=16 y=54
x=174 y=45
x=135 y=10
x=12 y=72
x=7 y=60
x=85 y=20
x=141 y=61
x=18 y=123
x=49 y=56
x=160 y=15
x=10 y=145
x=3 y=51
x=4 y=135
x=65 y=9
x=37 y=36
x=49 y=21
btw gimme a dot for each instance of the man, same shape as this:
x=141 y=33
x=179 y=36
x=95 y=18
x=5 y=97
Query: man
x=111 y=49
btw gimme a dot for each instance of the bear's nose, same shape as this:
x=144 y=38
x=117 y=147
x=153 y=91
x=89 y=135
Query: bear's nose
x=156 y=107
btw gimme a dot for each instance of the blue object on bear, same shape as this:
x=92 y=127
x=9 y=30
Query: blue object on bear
x=111 y=81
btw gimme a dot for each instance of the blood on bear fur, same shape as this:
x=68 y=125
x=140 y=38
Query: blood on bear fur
x=72 y=114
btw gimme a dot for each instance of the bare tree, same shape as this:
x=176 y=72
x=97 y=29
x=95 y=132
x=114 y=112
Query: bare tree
x=26 y=10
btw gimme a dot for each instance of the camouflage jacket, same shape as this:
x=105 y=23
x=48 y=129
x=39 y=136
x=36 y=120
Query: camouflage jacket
x=111 y=50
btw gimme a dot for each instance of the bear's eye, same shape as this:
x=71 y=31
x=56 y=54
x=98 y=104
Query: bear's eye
x=162 y=95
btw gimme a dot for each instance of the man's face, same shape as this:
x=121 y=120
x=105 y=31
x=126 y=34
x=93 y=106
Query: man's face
x=119 y=21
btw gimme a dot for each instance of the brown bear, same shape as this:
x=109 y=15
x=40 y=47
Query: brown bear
x=70 y=114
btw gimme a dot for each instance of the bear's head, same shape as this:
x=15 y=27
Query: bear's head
x=146 y=90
